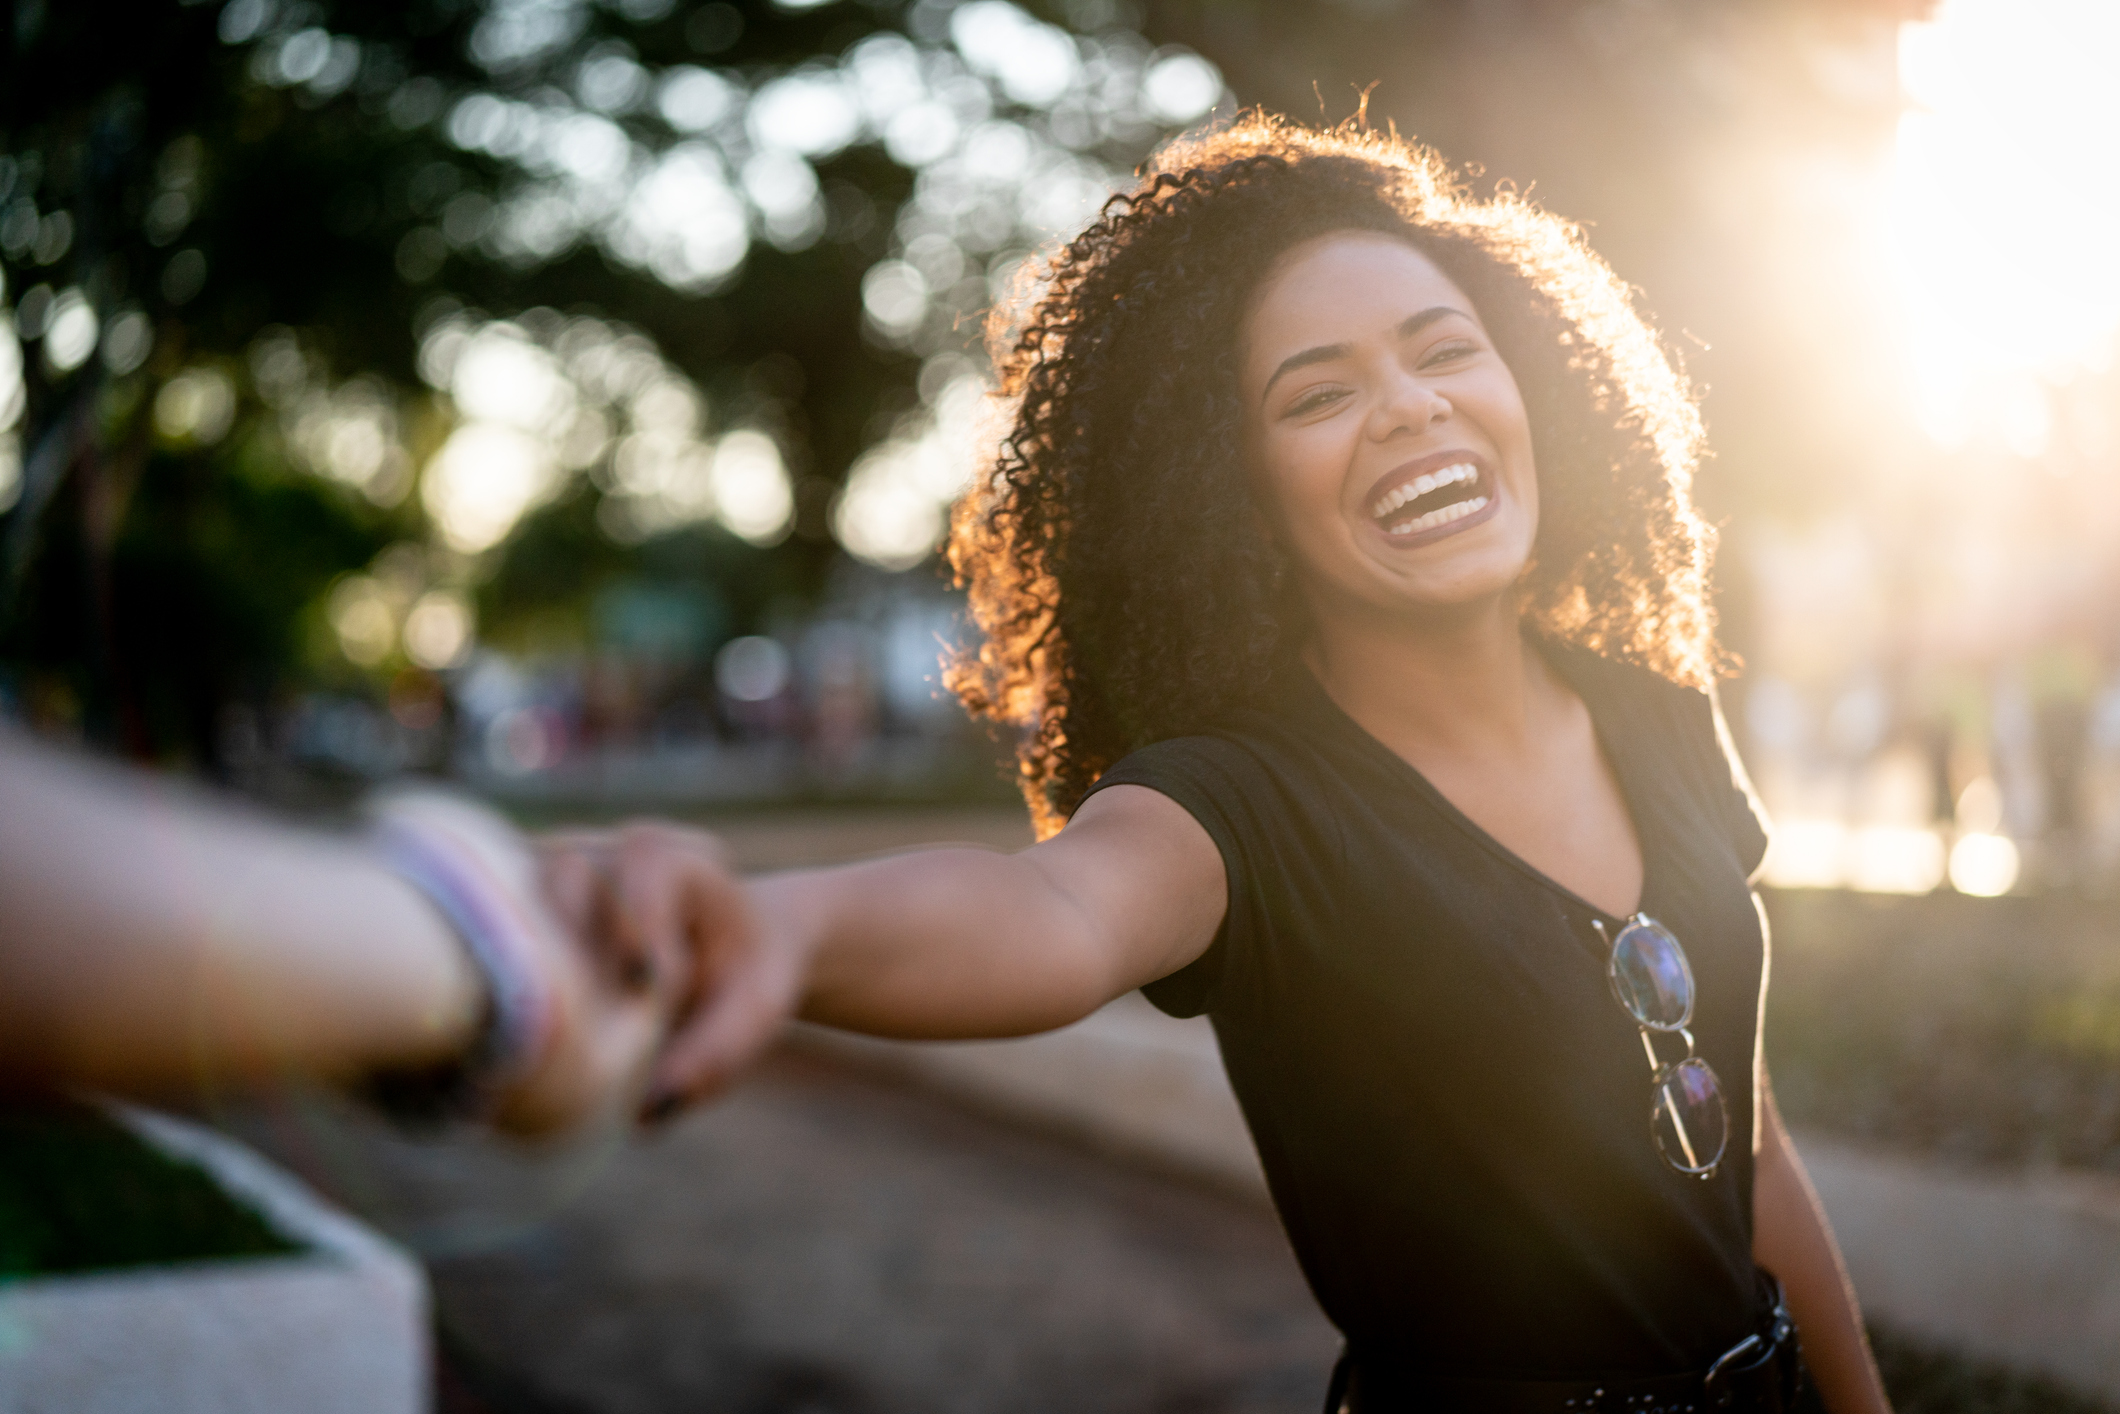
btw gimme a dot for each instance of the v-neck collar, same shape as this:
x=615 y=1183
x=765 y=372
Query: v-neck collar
x=1562 y=659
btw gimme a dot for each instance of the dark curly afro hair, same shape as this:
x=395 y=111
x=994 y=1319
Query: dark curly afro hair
x=1117 y=571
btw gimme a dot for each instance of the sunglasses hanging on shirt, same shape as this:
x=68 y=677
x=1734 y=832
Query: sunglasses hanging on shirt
x=1653 y=981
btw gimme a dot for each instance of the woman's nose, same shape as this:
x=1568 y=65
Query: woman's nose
x=1409 y=404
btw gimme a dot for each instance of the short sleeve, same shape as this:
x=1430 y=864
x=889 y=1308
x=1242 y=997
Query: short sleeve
x=1193 y=772
x=1743 y=818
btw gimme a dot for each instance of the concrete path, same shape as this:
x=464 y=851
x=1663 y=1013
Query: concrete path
x=2023 y=1269
x=823 y=1242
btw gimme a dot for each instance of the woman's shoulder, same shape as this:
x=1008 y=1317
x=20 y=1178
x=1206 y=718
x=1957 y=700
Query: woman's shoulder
x=1637 y=699
x=1642 y=712
x=1251 y=765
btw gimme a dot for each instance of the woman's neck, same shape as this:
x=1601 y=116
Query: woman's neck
x=1468 y=682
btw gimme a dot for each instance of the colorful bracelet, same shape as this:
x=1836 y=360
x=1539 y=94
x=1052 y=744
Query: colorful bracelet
x=471 y=865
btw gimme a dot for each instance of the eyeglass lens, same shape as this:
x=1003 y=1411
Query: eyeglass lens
x=1690 y=1122
x=1651 y=977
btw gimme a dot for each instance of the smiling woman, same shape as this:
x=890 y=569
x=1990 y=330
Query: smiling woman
x=1129 y=588
x=1339 y=569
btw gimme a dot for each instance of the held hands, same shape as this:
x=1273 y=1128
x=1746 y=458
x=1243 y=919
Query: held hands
x=661 y=902
x=618 y=967
x=572 y=1015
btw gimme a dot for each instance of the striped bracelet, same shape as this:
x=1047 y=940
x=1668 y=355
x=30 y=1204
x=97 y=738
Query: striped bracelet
x=471 y=865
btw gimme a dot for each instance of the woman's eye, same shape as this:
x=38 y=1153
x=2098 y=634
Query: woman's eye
x=1453 y=351
x=1315 y=400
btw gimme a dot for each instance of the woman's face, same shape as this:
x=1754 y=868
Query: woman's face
x=1388 y=437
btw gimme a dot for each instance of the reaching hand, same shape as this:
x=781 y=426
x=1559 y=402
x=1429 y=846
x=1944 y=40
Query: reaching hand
x=662 y=901
x=573 y=1022
x=608 y=1022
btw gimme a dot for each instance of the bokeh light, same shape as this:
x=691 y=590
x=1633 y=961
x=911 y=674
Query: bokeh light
x=2005 y=185
x=751 y=493
x=482 y=481
x=70 y=332
x=894 y=508
x=438 y=630
x=752 y=669
x=1984 y=866
x=364 y=620
x=197 y=406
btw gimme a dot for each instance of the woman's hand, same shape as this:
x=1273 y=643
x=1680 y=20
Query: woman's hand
x=660 y=903
x=573 y=1020
x=607 y=1024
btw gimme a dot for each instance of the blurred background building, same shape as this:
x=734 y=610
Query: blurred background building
x=566 y=395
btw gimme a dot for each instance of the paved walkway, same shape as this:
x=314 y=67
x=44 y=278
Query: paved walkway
x=824 y=1242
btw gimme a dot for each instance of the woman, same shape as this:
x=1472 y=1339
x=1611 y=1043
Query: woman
x=1340 y=569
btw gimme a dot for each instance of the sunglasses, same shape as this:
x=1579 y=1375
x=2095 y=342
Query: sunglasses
x=1653 y=981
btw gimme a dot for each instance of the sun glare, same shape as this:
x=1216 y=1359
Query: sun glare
x=2005 y=192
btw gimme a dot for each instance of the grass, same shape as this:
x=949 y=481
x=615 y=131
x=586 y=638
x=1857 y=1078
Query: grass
x=1973 y=1030
x=1926 y=1379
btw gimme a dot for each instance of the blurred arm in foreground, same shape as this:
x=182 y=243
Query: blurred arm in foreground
x=153 y=941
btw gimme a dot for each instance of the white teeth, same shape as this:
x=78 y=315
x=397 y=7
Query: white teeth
x=1420 y=486
x=1444 y=516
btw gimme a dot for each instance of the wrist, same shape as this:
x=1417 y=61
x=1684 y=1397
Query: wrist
x=471 y=868
x=794 y=913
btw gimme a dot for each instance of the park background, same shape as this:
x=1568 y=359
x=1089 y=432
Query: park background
x=565 y=399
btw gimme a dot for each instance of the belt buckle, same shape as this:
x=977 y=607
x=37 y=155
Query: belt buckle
x=1734 y=1361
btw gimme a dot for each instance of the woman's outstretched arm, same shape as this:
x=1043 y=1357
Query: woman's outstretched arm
x=946 y=942
x=1790 y=1238
x=153 y=940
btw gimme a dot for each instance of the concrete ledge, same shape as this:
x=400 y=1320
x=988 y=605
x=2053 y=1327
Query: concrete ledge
x=340 y=1330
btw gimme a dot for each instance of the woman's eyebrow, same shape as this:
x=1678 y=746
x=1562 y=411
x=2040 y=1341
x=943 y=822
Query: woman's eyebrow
x=1324 y=353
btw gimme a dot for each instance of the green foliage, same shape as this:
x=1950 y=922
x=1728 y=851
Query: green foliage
x=1973 y=1029
x=159 y=578
x=1922 y=1378
x=266 y=203
x=80 y=1192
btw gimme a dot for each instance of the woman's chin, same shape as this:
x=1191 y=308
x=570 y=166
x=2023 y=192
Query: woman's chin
x=1474 y=577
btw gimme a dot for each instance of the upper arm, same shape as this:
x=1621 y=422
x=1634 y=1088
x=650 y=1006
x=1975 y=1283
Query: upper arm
x=1144 y=880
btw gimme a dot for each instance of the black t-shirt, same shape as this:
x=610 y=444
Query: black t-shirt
x=1452 y=1110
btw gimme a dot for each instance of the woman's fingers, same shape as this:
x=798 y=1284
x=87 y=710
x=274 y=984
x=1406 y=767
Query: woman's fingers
x=670 y=884
x=678 y=894
x=579 y=870
x=751 y=997
x=659 y=903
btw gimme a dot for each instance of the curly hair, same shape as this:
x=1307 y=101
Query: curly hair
x=1125 y=595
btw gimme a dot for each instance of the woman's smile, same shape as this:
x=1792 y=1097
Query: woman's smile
x=1432 y=497
x=1388 y=439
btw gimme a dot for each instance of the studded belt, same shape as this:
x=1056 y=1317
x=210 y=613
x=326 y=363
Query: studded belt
x=1761 y=1374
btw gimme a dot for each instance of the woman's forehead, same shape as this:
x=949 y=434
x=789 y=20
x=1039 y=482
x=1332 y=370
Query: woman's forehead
x=1342 y=287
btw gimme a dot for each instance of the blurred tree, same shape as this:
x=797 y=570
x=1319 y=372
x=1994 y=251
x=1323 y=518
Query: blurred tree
x=480 y=297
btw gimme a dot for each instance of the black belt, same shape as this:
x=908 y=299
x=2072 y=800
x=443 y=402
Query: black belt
x=1761 y=1374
